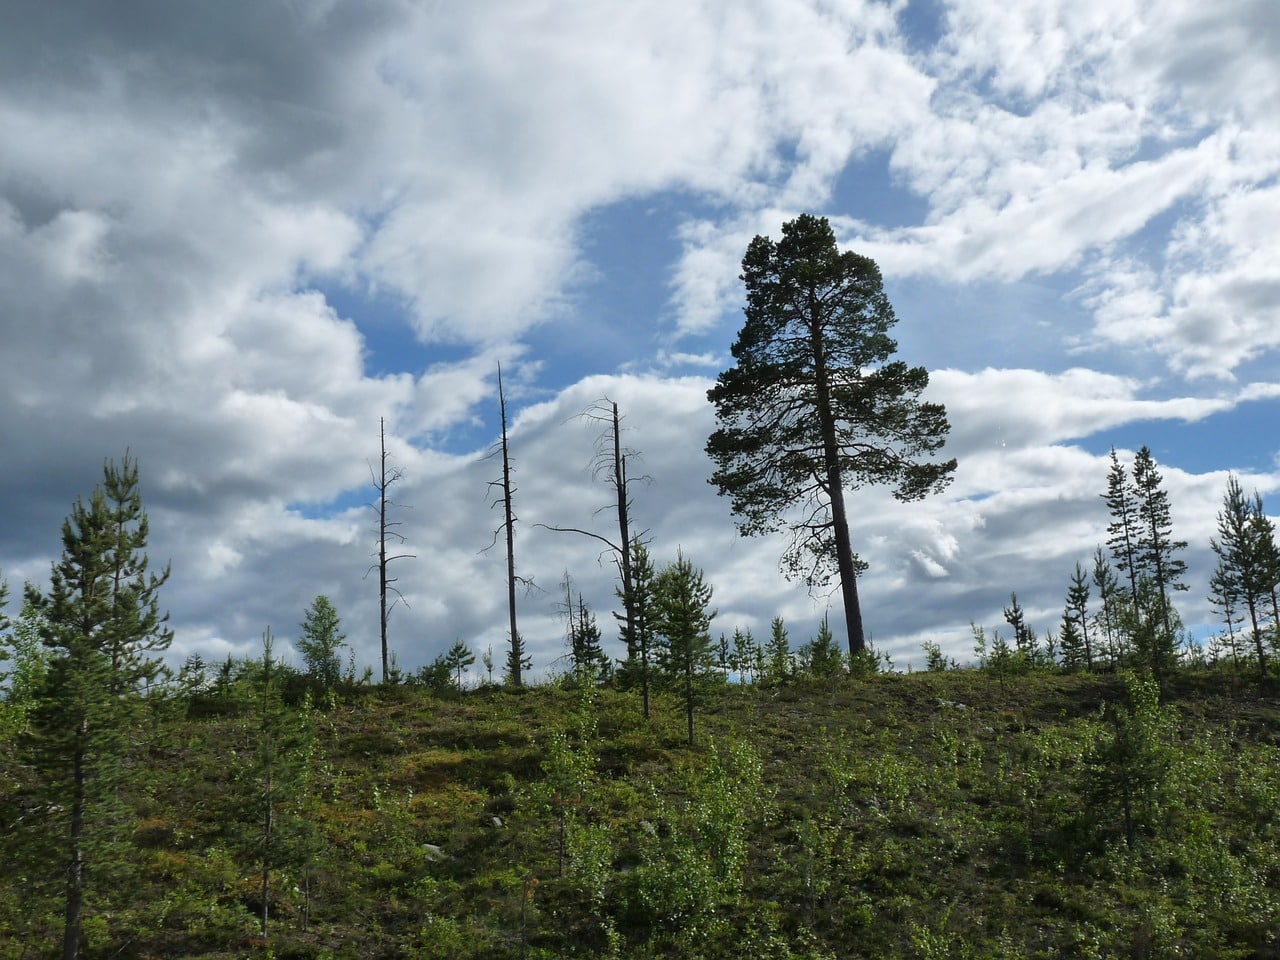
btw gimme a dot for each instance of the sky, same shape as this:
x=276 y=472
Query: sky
x=236 y=236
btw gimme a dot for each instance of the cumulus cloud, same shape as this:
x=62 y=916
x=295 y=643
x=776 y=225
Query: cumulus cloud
x=183 y=190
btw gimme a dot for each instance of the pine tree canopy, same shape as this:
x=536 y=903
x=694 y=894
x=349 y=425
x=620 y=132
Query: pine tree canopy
x=816 y=405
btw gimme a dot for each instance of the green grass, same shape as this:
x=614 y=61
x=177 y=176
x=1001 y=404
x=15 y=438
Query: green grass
x=917 y=816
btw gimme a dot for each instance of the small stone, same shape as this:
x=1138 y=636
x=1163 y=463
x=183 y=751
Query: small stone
x=432 y=852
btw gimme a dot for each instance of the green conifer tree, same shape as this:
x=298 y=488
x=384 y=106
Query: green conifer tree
x=136 y=629
x=1078 y=609
x=458 y=658
x=1246 y=574
x=1158 y=560
x=1264 y=536
x=637 y=624
x=682 y=622
x=271 y=828
x=743 y=656
x=820 y=656
x=321 y=643
x=816 y=405
x=1124 y=530
x=100 y=621
x=1024 y=637
x=1225 y=598
x=1070 y=642
x=585 y=649
x=779 y=665
x=1109 y=597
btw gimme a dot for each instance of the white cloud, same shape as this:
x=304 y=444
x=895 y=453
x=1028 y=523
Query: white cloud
x=177 y=184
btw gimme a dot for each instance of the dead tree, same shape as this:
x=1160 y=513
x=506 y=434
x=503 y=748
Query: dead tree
x=516 y=658
x=610 y=465
x=382 y=479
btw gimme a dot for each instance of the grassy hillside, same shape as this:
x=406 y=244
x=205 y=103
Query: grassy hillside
x=947 y=814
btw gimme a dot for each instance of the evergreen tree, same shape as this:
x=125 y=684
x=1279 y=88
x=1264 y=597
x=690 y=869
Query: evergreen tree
x=458 y=658
x=100 y=621
x=637 y=624
x=518 y=662
x=4 y=619
x=1124 y=531
x=757 y=660
x=136 y=628
x=1158 y=553
x=1071 y=642
x=1024 y=637
x=269 y=823
x=1003 y=660
x=820 y=656
x=682 y=623
x=1130 y=770
x=1246 y=566
x=742 y=659
x=321 y=642
x=588 y=656
x=1224 y=597
x=1104 y=578
x=778 y=652
x=816 y=405
x=1264 y=536
x=1078 y=610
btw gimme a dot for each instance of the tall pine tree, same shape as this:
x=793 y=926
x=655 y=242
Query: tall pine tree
x=1158 y=550
x=1264 y=535
x=1140 y=538
x=1104 y=578
x=101 y=623
x=1246 y=573
x=1123 y=532
x=1224 y=597
x=816 y=405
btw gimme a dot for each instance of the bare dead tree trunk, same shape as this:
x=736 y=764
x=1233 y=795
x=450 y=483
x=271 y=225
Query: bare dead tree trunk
x=624 y=535
x=382 y=481
x=515 y=658
x=382 y=549
x=611 y=462
x=630 y=615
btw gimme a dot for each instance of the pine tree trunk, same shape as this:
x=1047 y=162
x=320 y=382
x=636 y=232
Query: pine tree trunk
x=267 y=827
x=75 y=864
x=835 y=494
x=688 y=697
x=1257 y=636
